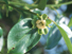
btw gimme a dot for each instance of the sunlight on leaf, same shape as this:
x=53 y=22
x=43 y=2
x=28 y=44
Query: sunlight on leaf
x=22 y=37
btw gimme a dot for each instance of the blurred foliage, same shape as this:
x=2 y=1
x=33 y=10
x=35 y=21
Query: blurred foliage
x=11 y=17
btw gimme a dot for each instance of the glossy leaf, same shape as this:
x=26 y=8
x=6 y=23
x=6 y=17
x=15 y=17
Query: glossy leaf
x=42 y=4
x=22 y=37
x=1 y=38
x=64 y=30
x=1 y=43
x=53 y=37
x=70 y=22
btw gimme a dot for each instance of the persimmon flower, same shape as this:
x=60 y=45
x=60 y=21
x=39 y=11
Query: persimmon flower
x=41 y=24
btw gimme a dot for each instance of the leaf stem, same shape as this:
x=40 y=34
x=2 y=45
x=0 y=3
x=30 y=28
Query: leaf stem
x=52 y=21
x=55 y=10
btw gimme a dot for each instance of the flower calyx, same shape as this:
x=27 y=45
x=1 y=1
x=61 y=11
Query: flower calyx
x=42 y=24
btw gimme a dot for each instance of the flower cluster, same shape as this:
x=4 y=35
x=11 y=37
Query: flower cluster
x=41 y=23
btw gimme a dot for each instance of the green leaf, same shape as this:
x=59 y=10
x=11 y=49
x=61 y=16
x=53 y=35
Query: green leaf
x=6 y=1
x=42 y=4
x=1 y=32
x=70 y=22
x=64 y=30
x=1 y=43
x=53 y=37
x=1 y=39
x=22 y=37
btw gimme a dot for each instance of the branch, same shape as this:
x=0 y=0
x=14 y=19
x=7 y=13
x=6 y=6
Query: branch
x=22 y=9
x=13 y=3
x=22 y=4
x=56 y=5
x=1 y=2
x=35 y=5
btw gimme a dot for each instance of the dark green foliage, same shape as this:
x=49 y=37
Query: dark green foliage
x=69 y=9
x=42 y=4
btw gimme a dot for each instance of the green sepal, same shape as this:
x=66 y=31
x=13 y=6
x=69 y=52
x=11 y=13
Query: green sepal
x=44 y=16
x=34 y=23
x=40 y=31
x=48 y=21
x=45 y=31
